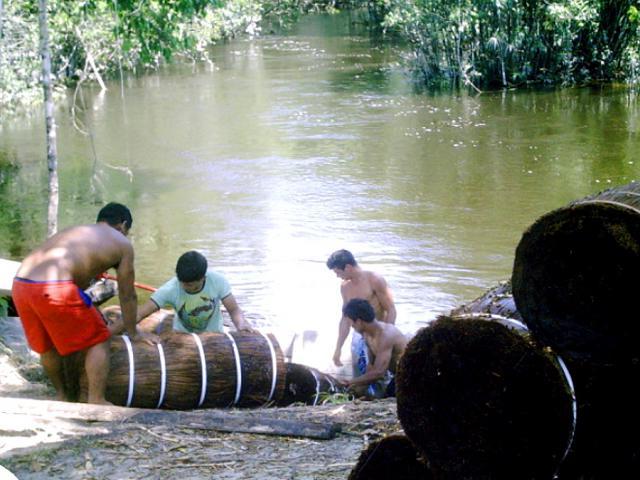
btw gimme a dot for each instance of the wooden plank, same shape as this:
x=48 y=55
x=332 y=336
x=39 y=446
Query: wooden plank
x=66 y=410
x=240 y=423
x=8 y=269
x=249 y=421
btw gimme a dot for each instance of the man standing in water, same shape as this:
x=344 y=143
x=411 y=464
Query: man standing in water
x=359 y=283
x=385 y=343
x=57 y=316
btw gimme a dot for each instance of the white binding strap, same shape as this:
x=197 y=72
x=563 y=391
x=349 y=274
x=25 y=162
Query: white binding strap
x=574 y=405
x=132 y=369
x=203 y=365
x=332 y=386
x=163 y=375
x=274 y=366
x=236 y=355
x=315 y=401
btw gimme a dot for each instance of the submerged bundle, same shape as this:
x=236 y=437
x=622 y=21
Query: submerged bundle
x=575 y=284
x=188 y=371
x=480 y=400
x=393 y=456
x=307 y=385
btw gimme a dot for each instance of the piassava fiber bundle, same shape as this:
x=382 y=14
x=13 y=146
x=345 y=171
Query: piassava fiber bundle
x=495 y=301
x=307 y=385
x=575 y=276
x=391 y=457
x=575 y=282
x=186 y=371
x=480 y=401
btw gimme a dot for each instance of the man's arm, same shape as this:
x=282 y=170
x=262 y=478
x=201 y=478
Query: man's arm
x=126 y=290
x=128 y=297
x=343 y=333
x=384 y=296
x=147 y=309
x=235 y=312
x=378 y=369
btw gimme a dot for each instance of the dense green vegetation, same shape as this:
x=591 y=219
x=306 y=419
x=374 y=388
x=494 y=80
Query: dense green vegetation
x=92 y=39
x=478 y=43
x=501 y=43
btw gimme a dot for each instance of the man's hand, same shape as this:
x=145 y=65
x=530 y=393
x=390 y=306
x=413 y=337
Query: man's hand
x=247 y=328
x=147 y=337
x=336 y=359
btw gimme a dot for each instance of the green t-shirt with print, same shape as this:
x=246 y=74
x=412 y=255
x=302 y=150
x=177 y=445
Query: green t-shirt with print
x=195 y=312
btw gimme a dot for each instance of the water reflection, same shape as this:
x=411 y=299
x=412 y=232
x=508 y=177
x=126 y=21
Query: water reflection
x=289 y=148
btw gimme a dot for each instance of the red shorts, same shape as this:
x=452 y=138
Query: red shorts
x=57 y=314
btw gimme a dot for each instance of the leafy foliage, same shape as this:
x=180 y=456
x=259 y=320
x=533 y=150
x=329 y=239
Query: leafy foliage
x=4 y=306
x=500 y=43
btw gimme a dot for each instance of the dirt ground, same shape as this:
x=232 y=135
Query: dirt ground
x=38 y=446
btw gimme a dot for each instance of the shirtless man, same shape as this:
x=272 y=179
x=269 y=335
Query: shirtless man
x=358 y=283
x=57 y=316
x=386 y=344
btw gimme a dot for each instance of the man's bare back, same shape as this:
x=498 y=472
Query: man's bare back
x=79 y=254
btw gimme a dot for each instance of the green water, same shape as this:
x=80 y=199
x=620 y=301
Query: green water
x=287 y=148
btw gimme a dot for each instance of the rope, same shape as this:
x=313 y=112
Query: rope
x=132 y=369
x=236 y=355
x=203 y=366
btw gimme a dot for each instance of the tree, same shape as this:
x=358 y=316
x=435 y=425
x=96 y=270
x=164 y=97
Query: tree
x=50 y=121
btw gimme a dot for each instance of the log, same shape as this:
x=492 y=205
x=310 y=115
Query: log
x=210 y=420
x=101 y=291
x=68 y=410
x=158 y=322
x=238 y=421
x=479 y=399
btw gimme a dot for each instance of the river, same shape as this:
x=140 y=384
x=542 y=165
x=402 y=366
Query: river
x=286 y=148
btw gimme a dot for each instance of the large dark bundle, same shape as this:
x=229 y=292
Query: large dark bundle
x=239 y=369
x=307 y=385
x=481 y=401
x=574 y=282
x=391 y=457
x=496 y=301
x=575 y=276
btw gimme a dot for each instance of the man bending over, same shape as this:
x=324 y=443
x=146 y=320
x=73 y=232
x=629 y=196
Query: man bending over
x=57 y=316
x=385 y=342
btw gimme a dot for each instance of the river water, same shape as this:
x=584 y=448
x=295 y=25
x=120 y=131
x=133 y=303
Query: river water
x=286 y=148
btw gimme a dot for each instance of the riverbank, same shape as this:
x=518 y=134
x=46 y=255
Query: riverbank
x=43 y=439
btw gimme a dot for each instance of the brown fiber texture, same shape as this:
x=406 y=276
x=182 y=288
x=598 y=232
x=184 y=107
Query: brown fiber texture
x=481 y=401
x=391 y=457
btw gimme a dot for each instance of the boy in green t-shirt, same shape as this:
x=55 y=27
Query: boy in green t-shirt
x=196 y=294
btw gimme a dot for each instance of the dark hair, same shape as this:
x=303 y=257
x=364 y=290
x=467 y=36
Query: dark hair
x=340 y=259
x=114 y=214
x=191 y=266
x=359 y=308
